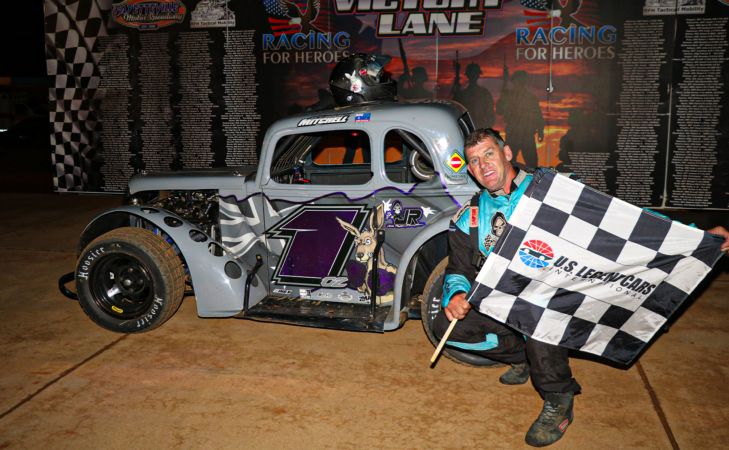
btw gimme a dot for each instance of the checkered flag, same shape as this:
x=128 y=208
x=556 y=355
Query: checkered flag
x=71 y=29
x=583 y=270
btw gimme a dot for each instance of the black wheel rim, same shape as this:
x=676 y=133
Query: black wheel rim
x=122 y=286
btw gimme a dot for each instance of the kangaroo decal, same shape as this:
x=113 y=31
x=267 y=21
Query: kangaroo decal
x=365 y=243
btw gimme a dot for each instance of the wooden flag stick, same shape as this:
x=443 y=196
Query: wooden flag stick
x=443 y=341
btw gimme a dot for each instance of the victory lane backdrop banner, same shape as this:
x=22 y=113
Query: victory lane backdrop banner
x=625 y=93
x=580 y=269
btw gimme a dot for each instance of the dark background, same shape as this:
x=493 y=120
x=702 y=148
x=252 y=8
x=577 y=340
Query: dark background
x=21 y=31
x=24 y=149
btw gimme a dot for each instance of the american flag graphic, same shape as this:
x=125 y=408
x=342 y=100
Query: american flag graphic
x=537 y=12
x=539 y=5
x=542 y=13
x=289 y=16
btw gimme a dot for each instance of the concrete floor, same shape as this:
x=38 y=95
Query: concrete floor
x=227 y=383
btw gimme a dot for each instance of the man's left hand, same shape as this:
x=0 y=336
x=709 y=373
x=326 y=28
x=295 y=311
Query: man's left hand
x=723 y=232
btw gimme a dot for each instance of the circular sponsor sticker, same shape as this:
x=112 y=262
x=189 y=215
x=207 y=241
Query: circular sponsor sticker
x=535 y=253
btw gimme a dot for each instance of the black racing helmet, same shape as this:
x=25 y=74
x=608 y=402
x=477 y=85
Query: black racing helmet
x=361 y=78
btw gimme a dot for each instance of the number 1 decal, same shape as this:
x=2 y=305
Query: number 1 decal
x=317 y=247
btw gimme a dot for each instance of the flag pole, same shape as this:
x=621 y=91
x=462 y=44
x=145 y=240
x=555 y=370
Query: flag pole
x=443 y=340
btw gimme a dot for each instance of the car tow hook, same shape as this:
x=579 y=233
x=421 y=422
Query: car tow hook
x=63 y=281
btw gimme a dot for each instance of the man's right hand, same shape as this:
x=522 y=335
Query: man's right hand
x=457 y=307
x=723 y=232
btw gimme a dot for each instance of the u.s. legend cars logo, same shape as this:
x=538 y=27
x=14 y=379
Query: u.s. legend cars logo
x=536 y=254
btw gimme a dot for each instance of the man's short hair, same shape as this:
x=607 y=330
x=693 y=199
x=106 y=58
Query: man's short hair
x=477 y=136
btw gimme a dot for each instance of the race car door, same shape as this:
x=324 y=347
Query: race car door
x=322 y=232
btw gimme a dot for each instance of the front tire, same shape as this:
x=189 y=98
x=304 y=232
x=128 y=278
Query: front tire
x=129 y=280
x=429 y=308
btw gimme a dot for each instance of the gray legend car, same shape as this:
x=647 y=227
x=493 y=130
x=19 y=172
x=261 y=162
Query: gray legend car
x=342 y=225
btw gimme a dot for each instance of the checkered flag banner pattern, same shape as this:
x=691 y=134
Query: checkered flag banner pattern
x=583 y=270
x=71 y=29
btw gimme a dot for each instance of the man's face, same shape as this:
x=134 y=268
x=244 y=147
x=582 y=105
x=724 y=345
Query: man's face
x=489 y=165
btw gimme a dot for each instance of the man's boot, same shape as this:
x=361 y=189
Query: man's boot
x=553 y=421
x=517 y=374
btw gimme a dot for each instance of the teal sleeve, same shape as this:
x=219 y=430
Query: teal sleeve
x=453 y=284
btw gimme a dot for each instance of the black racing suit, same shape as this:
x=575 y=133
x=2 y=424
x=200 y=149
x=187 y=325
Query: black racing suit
x=477 y=333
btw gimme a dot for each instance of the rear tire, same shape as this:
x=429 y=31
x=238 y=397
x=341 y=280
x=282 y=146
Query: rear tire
x=429 y=308
x=129 y=280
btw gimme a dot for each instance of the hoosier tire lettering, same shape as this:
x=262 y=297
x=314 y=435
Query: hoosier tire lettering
x=129 y=280
x=146 y=320
x=83 y=271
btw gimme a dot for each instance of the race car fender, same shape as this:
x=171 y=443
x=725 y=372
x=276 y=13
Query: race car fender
x=218 y=281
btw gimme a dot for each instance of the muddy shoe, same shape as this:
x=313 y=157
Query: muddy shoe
x=517 y=374
x=553 y=421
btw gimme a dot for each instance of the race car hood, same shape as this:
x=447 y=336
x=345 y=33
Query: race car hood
x=195 y=179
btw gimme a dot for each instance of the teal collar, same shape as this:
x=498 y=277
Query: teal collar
x=515 y=183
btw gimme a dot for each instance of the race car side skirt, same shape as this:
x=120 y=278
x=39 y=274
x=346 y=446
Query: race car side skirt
x=319 y=314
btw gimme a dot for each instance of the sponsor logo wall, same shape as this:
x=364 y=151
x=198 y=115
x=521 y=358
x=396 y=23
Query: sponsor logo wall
x=627 y=94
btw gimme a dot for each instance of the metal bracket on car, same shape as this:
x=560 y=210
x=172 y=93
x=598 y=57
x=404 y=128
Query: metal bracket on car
x=249 y=279
x=376 y=272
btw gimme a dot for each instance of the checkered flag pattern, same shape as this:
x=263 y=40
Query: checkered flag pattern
x=71 y=29
x=583 y=270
